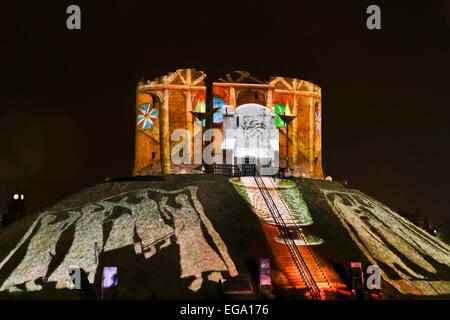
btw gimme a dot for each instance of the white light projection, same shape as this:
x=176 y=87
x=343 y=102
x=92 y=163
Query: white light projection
x=83 y=252
x=196 y=256
x=409 y=257
x=131 y=213
x=40 y=251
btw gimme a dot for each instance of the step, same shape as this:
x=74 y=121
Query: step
x=312 y=273
x=288 y=267
x=298 y=274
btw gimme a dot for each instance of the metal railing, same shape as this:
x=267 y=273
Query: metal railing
x=242 y=170
x=288 y=240
x=227 y=169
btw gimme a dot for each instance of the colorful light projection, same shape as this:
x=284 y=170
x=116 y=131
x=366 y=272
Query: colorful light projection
x=133 y=215
x=410 y=259
x=318 y=121
x=281 y=108
x=147 y=116
x=218 y=116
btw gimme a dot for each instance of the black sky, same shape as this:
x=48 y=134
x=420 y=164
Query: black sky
x=67 y=98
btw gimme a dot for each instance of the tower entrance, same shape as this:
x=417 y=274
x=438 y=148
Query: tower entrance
x=249 y=166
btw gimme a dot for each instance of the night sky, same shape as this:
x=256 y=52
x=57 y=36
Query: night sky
x=67 y=98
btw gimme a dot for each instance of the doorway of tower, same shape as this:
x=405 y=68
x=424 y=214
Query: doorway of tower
x=249 y=166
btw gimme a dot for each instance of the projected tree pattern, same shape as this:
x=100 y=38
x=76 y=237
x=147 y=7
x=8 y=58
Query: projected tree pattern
x=133 y=215
x=410 y=259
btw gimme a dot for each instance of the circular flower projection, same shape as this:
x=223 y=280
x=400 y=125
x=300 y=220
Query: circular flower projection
x=147 y=116
x=218 y=116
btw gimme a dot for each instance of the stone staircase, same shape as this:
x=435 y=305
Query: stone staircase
x=292 y=278
x=287 y=266
x=259 y=204
x=284 y=259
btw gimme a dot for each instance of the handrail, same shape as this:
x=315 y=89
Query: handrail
x=227 y=169
x=288 y=240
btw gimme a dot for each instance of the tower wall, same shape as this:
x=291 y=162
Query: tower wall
x=182 y=91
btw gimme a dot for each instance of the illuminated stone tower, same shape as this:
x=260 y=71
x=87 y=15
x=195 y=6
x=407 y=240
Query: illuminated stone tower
x=165 y=104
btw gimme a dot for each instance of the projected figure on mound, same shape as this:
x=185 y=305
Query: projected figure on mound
x=151 y=228
x=40 y=252
x=196 y=256
x=86 y=245
x=114 y=221
x=88 y=239
x=410 y=258
x=121 y=234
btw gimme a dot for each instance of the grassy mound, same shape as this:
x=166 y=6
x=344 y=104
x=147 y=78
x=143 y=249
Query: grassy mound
x=356 y=227
x=174 y=238
x=213 y=235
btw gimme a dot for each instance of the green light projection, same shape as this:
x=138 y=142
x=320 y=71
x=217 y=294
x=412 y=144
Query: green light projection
x=281 y=108
x=290 y=195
